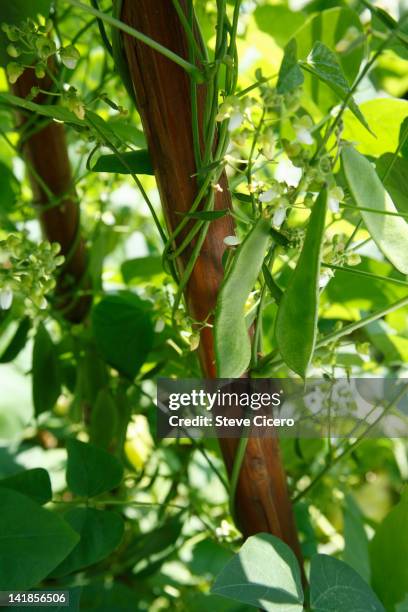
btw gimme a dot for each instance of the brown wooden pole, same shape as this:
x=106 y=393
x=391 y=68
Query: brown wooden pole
x=47 y=154
x=163 y=98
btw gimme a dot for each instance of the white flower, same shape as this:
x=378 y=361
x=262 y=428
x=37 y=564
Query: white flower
x=235 y=121
x=267 y=142
x=314 y=400
x=270 y=194
x=159 y=326
x=6 y=299
x=279 y=216
x=335 y=196
x=325 y=278
x=304 y=136
x=302 y=128
x=288 y=173
x=231 y=240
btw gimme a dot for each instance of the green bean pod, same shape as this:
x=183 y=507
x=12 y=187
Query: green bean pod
x=232 y=342
x=388 y=231
x=296 y=320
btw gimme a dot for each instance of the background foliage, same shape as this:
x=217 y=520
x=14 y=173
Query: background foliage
x=89 y=499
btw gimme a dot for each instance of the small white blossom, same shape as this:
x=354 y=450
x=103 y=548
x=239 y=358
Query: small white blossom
x=335 y=196
x=235 y=121
x=268 y=142
x=159 y=326
x=303 y=128
x=288 y=173
x=270 y=194
x=279 y=216
x=304 y=136
x=325 y=278
x=314 y=400
x=6 y=299
x=231 y=240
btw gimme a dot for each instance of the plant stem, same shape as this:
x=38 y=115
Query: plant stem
x=358 y=272
x=336 y=335
x=351 y=447
x=189 y=68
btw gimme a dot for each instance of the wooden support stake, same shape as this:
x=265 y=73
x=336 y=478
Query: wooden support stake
x=163 y=96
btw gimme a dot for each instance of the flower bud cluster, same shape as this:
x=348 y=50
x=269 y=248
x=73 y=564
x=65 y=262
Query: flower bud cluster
x=27 y=270
x=31 y=46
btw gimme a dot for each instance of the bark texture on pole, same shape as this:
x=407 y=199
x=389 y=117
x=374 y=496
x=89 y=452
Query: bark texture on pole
x=163 y=97
x=46 y=153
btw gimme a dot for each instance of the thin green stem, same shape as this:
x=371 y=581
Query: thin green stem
x=134 y=177
x=188 y=29
x=102 y=30
x=236 y=471
x=190 y=266
x=189 y=68
x=375 y=211
x=335 y=460
x=358 y=272
x=265 y=362
x=350 y=94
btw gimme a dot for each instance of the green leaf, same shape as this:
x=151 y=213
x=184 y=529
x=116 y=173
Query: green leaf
x=33 y=541
x=34 y=483
x=390 y=233
x=322 y=62
x=127 y=132
x=53 y=111
x=389 y=554
x=13 y=13
x=403 y=138
x=395 y=171
x=123 y=331
x=359 y=292
x=142 y=267
x=242 y=197
x=104 y=419
x=296 y=320
x=265 y=574
x=278 y=21
x=331 y=27
x=403 y=606
x=148 y=551
x=91 y=470
x=290 y=75
x=9 y=188
x=384 y=116
x=106 y=596
x=355 y=551
x=275 y=291
x=336 y=586
x=232 y=343
x=45 y=372
x=100 y=533
x=17 y=342
x=383 y=23
x=130 y=162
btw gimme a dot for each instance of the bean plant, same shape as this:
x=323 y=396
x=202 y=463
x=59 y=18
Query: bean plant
x=290 y=260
